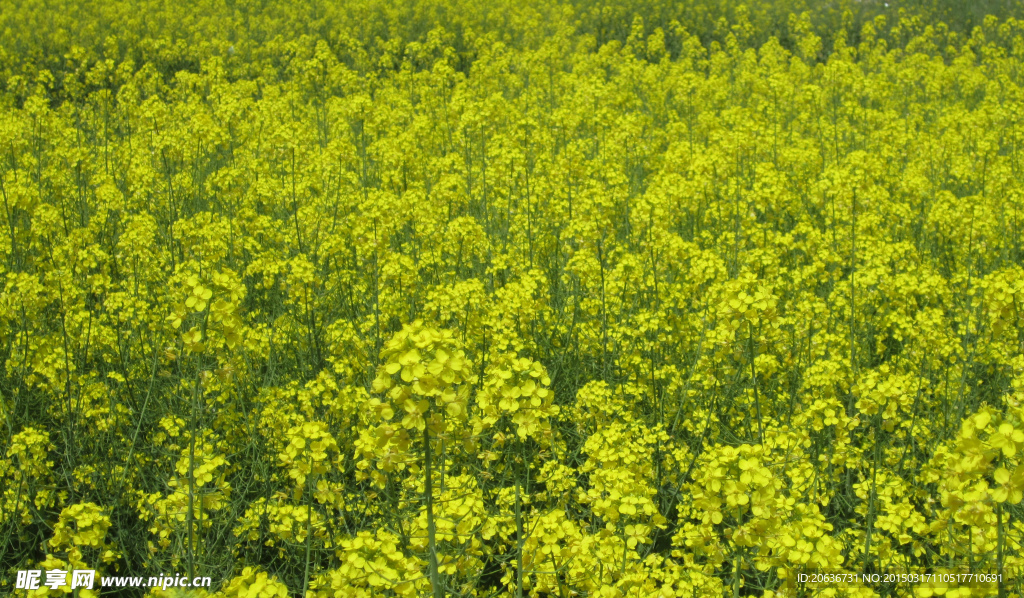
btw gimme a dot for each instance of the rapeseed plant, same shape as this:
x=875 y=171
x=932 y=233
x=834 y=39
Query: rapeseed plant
x=448 y=298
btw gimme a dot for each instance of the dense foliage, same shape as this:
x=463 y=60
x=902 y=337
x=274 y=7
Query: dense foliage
x=451 y=298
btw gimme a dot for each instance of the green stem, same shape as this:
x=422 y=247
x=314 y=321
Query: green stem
x=193 y=425
x=999 y=548
x=736 y=577
x=753 y=377
x=309 y=529
x=435 y=580
x=872 y=498
x=519 y=544
x=191 y=477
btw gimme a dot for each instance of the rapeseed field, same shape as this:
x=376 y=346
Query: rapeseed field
x=469 y=298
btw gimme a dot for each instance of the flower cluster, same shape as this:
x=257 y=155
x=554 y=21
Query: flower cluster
x=618 y=298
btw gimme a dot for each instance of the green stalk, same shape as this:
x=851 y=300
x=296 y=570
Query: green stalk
x=519 y=544
x=309 y=528
x=872 y=497
x=191 y=477
x=435 y=579
x=753 y=378
x=193 y=424
x=736 y=577
x=999 y=548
